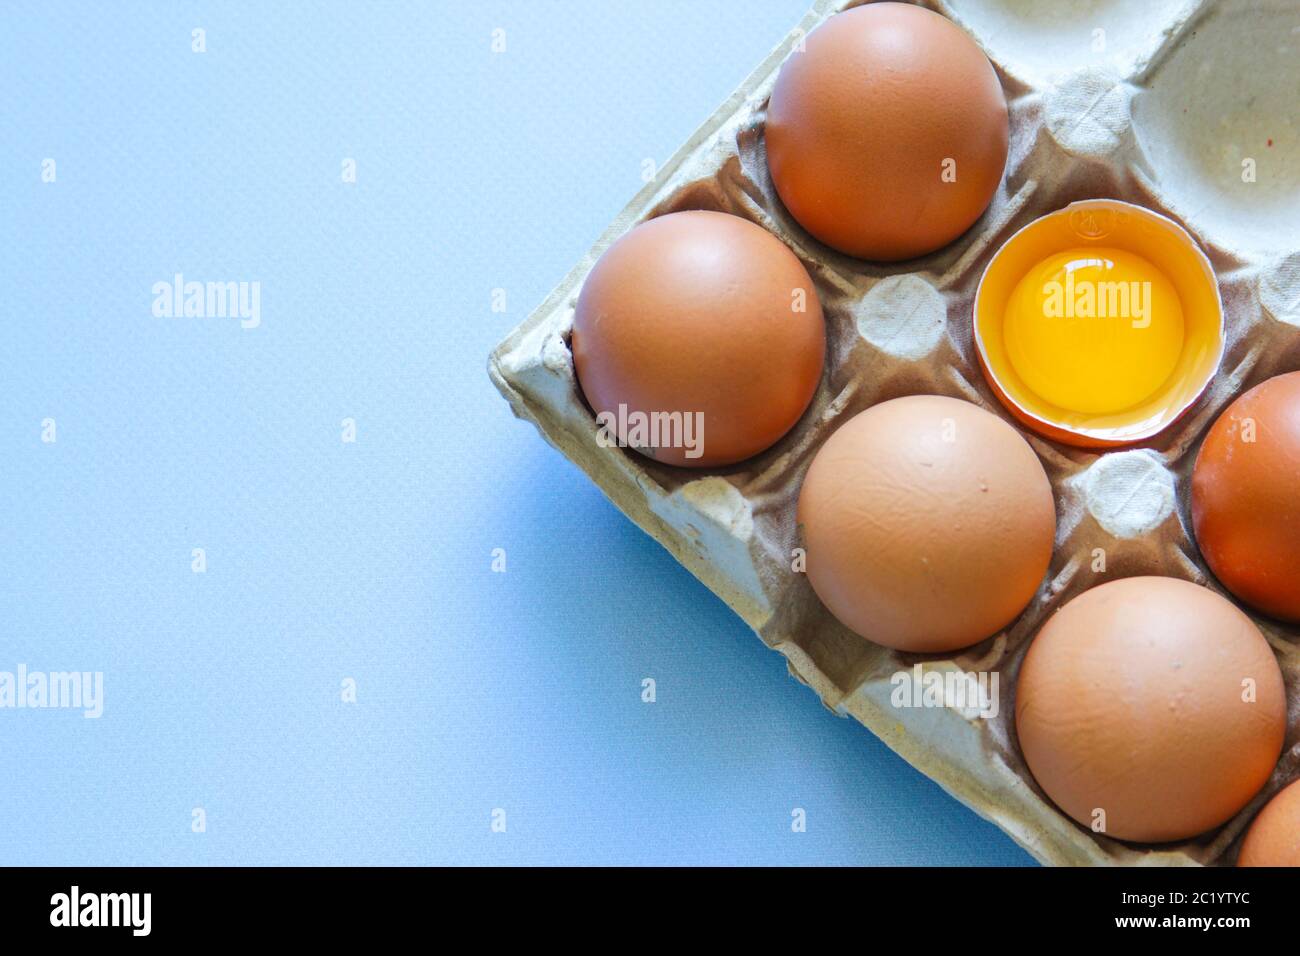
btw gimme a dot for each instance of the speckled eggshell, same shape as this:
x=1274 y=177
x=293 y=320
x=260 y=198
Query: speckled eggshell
x=1246 y=497
x=928 y=523
x=1274 y=837
x=1135 y=701
x=861 y=123
x=701 y=312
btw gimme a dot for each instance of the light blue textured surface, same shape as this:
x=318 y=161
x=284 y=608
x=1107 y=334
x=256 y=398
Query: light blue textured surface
x=370 y=560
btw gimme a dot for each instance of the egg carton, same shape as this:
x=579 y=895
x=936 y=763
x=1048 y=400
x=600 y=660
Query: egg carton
x=1186 y=107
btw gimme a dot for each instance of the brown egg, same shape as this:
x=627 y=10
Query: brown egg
x=1150 y=709
x=1246 y=497
x=1274 y=838
x=706 y=317
x=887 y=136
x=928 y=523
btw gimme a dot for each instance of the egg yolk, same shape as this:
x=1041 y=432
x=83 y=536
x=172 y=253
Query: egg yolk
x=1094 y=330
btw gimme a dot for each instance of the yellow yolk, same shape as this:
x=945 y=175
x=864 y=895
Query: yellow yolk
x=1094 y=330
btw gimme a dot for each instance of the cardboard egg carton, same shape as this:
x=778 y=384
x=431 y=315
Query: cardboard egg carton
x=1186 y=107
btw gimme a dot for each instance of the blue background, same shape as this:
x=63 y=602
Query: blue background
x=372 y=560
